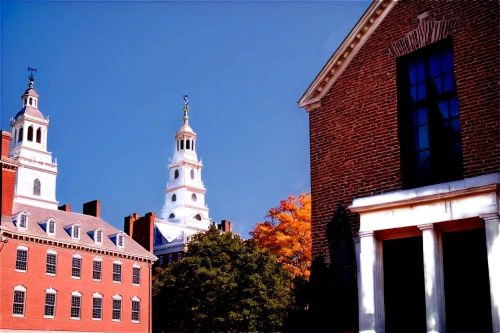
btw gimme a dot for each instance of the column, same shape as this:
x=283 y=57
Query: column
x=433 y=275
x=371 y=287
x=492 y=228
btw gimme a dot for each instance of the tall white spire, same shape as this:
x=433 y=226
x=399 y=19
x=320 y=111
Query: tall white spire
x=36 y=176
x=185 y=192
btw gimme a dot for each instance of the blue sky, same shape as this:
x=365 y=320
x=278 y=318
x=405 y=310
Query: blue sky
x=111 y=76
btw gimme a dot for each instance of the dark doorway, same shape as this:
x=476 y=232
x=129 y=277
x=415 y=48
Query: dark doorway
x=466 y=281
x=404 y=289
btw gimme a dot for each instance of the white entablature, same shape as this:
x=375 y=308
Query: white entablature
x=36 y=176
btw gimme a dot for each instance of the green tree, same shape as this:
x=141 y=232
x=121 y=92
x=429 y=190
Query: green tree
x=223 y=284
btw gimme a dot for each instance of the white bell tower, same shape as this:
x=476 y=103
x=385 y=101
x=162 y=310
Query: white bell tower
x=36 y=176
x=185 y=192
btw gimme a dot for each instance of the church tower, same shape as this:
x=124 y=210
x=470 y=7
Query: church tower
x=185 y=192
x=36 y=176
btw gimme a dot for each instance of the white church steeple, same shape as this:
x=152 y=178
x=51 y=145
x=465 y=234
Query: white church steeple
x=185 y=192
x=36 y=176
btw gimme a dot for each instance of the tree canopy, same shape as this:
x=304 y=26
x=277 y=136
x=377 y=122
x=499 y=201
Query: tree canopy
x=223 y=284
x=287 y=233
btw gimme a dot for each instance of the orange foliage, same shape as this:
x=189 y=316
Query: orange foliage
x=287 y=233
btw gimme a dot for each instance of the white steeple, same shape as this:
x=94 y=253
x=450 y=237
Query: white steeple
x=185 y=192
x=36 y=176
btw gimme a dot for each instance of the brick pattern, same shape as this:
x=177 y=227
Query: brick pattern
x=354 y=144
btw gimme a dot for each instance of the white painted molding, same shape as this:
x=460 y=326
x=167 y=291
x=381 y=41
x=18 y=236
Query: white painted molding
x=136 y=299
x=51 y=291
x=97 y=295
x=20 y=287
x=117 y=297
x=76 y=293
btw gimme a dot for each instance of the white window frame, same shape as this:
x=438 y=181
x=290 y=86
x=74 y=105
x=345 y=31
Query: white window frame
x=22 y=248
x=138 y=300
x=96 y=295
x=76 y=256
x=47 y=263
x=97 y=259
x=22 y=289
x=73 y=231
x=134 y=267
x=119 y=264
x=116 y=298
x=101 y=230
x=49 y=292
x=48 y=227
x=75 y=294
x=19 y=217
x=122 y=237
x=170 y=258
x=160 y=262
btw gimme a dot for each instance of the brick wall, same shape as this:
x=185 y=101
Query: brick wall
x=141 y=229
x=354 y=142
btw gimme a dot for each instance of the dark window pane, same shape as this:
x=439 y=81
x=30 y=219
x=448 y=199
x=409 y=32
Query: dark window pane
x=413 y=75
x=455 y=124
x=420 y=72
x=449 y=84
x=422 y=117
x=423 y=164
x=422 y=91
x=423 y=138
x=435 y=66
x=447 y=62
x=454 y=107
x=437 y=86
x=413 y=92
x=443 y=107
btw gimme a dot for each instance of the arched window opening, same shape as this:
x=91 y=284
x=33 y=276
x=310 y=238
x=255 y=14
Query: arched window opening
x=197 y=217
x=39 y=135
x=174 y=197
x=177 y=145
x=35 y=103
x=15 y=137
x=192 y=173
x=187 y=144
x=192 y=146
x=20 y=135
x=182 y=144
x=31 y=101
x=176 y=174
x=30 y=133
x=36 y=187
x=25 y=101
x=193 y=197
x=171 y=216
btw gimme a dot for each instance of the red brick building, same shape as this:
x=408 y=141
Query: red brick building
x=61 y=270
x=405 y=132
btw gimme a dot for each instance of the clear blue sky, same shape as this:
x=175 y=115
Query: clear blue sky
x=111 y=76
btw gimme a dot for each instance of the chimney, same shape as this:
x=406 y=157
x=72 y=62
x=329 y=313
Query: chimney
x=66 y=208
x=92 y=208
x=141 y=229
x=129 y=224
x=225 y=226
x=9 y=168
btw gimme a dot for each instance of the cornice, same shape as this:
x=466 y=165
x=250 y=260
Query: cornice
x=31 y=119
x=32 y=149
x=191 y=188
x=37 y=199
x=342 y=57
x=27 y=166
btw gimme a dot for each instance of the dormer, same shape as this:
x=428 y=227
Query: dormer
x=98 y=235
x=49 y=226
x=118 y=239
x=20 y=220
x=74 y=230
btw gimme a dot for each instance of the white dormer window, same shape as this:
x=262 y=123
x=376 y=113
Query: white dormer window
x=75 y=232
x=51 y=227
x=98 y=236
x=21 y=220
x=119 y=241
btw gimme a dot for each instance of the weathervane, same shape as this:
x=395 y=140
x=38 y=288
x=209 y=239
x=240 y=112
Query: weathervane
x=186 y=104
x=32 y=70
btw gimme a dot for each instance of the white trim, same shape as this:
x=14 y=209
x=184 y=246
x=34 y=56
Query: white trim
x=73 y=231
x=48 y=226
x=136 y=321
x=97 y=259
x=96 y=295
x=50 y=291
x=76 y=293
x=118 y=262
x=102 y=235
x=136 y=299
x=77 y=256
x=117 y=297
x=136 y=265
x=52 y=251
x=20 y=247
x=20 y=287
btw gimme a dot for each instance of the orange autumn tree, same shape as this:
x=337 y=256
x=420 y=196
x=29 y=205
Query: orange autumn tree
x=287 y=233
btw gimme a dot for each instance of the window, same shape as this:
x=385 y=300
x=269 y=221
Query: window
x=170 y=257
x=51 y=229
x=182 y=144
x=50 y=304
x=192 y=145
x=22 y=259
x=161 y=260
x=98 y=236
x=179 y=256
x=15 y=137
x=20 y=135
x=117 y=308
x=30 y=133
x=136 y=306
x=171 y=216
x=76 y=232
x=36 y=187
x=429 y=117
x=136 y=275
x=176 y=174
x=192 y=173
x=177 y=145
x=174 y=197
x=97 y=307
x=193 y=197
x=119 y=240
x=97 y=270
x=31 y=101
x=76 y=304
x=50 y=268
x=117 y=272
x=19 y=301
x=187 y=144
x=25 y=101
x=23 y=221
x=39 y=135
x=76 y=266
x=197 y=217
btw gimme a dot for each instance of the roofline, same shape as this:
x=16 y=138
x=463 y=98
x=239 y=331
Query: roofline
x=335 y=66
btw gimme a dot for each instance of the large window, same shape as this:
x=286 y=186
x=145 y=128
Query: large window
x=50 y=305
x=50 y=268
x=37 y=186
x=117 y=309
x=97 y=270
x=429 y=116
x=136 y=275
x=117 y=272
x=136 y=306
x=76 y=304
x=19 y=301
x=97 y=307
x=22 y=259
x=76 y=267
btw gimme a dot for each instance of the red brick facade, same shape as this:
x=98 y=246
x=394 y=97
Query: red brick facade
x=354 y=142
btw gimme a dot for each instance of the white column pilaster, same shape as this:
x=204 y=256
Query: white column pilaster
x=433 y=275
x=371 y=288
x=492 y=228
